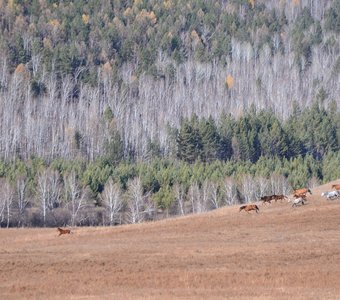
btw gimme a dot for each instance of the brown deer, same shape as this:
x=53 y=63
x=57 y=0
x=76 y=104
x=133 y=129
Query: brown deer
x=301 y=192
x=63 y=231
x=279 y=197
x=266 y=199
x=249 y=207
x=336 y=187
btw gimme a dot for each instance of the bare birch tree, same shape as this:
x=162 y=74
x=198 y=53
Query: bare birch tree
x=205 y=197
x=198 y=198
x=48 y=189
x=43 y=193
x=22 y=200
x=112 y=198
x=8 y=194
x=263 y=186
x=55 y=189
x=75 y=196
x=249 y=188
x=2 y=209
x=279 y=184
x=214 y=194
x=138 y=204
x=229 y=189
x=3 y=201
x=179 y=192
x=313 y=182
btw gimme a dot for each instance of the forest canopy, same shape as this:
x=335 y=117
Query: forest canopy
x=73 y=73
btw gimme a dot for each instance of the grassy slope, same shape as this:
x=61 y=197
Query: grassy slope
x=280 y=253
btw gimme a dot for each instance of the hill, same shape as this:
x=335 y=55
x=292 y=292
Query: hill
x=280 y=253
x=66 y=67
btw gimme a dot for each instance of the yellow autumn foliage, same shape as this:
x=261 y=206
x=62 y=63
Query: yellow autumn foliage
x=144 y=14
x=128 y=12
x=11 y=4
x=194 y=35
x=54 y=22
x=85 y=18
x=252 y=3
x=153 y=17
x=107 y=67
x=168 y=4
x=20 y=69
x=229 y=81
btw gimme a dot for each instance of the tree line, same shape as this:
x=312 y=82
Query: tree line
x=70 y=193
x=312 y=130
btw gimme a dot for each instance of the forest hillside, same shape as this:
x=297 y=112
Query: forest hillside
x=118 y=112
x=74 y=75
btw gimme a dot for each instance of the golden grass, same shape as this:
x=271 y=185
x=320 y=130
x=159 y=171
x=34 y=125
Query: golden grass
x=280 y=253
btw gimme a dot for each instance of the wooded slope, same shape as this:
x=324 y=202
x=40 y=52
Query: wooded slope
x=148 y=64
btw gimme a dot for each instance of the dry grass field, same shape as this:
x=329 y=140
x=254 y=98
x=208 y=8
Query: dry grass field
x=279 y=253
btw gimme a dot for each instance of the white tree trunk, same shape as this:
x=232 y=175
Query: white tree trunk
x=112 y=198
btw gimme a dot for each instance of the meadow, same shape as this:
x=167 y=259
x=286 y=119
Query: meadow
x=279 y=253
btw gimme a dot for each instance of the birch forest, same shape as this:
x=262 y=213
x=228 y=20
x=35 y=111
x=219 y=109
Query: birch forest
x=118 y=112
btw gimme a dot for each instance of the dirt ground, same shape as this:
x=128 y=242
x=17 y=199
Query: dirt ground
x=279 y=253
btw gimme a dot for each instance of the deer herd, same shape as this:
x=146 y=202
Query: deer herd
x=299 y=198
